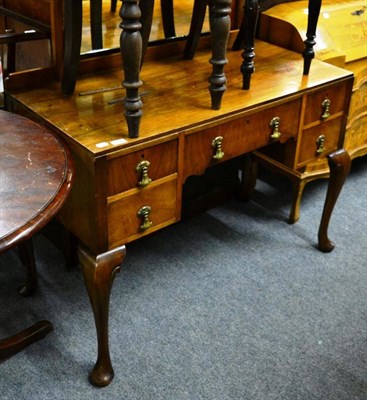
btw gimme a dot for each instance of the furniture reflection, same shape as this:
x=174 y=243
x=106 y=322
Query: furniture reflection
x=342 y=42
x=36 y=176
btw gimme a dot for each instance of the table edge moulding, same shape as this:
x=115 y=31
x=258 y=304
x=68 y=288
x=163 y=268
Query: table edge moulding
x=127 y=188
x=36 y=177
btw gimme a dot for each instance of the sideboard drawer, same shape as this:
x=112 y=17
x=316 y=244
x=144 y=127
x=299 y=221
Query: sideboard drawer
x=328 y=101
x=127 y=171
x=240 y=136
x=126 y=214
x=319 y=141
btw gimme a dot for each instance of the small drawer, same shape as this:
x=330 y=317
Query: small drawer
x=319 y=141
x=325 y=103
x=141 y=168
x=240 y=136
x=127 y=218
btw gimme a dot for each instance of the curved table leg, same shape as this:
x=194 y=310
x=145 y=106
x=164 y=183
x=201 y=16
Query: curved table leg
x=99 y=272
x=339 y=163
x=27 y=256
x=16 y=343
x=298 y=187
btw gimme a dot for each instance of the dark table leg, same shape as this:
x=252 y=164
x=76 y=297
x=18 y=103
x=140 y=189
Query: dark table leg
x=339 y=163
x=27 y=256
x=99 y=273
x=16 y=343
x=220 y=23
x=313 y=16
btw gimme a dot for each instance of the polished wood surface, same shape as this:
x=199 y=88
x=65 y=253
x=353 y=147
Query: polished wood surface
x=341 y=40
x=126 y=187
x=36 y=175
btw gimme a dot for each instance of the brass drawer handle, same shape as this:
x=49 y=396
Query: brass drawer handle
x=274 y=124
x=320 y=142
x=142 y=168
x=144 y=213
x=325 y=108
x=217 y=146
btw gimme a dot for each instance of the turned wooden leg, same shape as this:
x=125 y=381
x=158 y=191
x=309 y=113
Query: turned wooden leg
x=249 y=26
x=219 y=26
x=73 y=21
x=313 y=16
x=12 y=345
x=131 y=48
x=99 y=272
x=298 y=187
x=339 y=163
x=248 y=177
x=27 y=256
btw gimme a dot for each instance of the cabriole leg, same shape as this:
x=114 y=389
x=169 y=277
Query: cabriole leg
x=339 y=163
x=99 y=272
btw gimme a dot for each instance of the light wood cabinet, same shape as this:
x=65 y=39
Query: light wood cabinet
x=340 y=40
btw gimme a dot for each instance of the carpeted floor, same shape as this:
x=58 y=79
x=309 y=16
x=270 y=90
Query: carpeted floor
x=234 y=304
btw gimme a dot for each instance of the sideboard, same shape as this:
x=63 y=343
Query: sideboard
x=126 y=188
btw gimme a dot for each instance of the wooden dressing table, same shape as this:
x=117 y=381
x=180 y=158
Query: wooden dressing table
x=127 y=187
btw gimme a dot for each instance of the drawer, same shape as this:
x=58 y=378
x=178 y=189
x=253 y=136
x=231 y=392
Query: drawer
x=141 y=168
x=124 y=223
x=310 y=141
x=328 y=101
x=211 y=146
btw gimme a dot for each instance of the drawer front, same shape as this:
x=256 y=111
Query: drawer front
x=319 y=141
x=141 y=168
x=128 y=220
x=325 y=103
x=240 y=136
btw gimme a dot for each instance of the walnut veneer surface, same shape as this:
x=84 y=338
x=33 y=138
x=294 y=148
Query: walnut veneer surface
x=341 y=40
x=119 y=197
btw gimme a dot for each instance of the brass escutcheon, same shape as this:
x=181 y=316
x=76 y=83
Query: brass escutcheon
x=144 y=213
x=320 y=141
x=142 y=168
x=274 y=124
x=325 y=108
x=217 y=145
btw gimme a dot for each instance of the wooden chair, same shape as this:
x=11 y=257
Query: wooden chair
x=73 y=24
x=246 y=35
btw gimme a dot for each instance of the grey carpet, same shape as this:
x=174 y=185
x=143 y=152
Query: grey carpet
x=232 y=304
